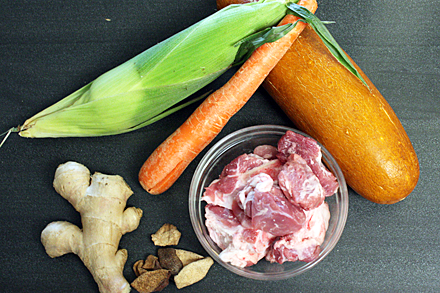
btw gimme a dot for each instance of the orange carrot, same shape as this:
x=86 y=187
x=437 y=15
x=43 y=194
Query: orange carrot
x=170 y=159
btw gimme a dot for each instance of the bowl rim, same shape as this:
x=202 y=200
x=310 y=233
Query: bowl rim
x=195 y=202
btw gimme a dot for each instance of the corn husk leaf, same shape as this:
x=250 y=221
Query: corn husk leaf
x=148 y=87
x=249 y=44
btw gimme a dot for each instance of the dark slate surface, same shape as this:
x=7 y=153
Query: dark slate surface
x=50 y=48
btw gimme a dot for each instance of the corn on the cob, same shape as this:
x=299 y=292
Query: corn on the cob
x=151 y=85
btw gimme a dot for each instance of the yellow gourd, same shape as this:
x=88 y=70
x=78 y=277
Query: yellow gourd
x=353 y=122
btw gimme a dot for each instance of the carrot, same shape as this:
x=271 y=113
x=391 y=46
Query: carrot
x=170 y=159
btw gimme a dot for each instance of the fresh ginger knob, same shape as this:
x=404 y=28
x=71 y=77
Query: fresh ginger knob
x=101 y=201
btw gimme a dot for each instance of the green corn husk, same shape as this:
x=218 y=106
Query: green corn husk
x=154 y=83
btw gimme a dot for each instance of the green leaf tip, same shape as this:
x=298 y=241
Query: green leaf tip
x=249 y=44
x=322 y=31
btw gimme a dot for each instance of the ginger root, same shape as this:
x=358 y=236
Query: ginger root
x=101 y=201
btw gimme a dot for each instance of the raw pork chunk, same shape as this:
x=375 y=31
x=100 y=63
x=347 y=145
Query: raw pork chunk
x=223 y=191
x=310 y=151
x=303 y=245
x=241 y=246
x=267 y=207
x=299 y=183
x=270 y=204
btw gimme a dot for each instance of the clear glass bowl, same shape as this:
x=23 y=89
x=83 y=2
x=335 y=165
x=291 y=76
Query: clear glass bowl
x=210 y=167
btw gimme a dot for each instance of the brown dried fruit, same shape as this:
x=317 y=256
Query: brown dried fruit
x=151 y=281
x=187 y=256
x=193 y=272
x=169 y=260
x=167 y=235
x=186 y=267
x=151 y=263
x=138 y=268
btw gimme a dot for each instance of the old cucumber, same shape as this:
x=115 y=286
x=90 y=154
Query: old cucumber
x=353 y=122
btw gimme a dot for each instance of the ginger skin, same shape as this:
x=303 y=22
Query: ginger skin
x=101 y=201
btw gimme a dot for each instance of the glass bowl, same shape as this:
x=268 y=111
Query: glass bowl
x=210 y=167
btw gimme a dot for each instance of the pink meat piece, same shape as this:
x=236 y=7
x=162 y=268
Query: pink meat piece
x=222 y=225
x=240 y=246
x=247 y=247
x=220 y=192
x=310 y=151
x=267 y=207
x=266 y=151
x=242 y=164
x=216 y=195
x=241 y=216
x=299 y=184
x=223 y=191
x=270 y=204
x=303 y=245
x=261 y=182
